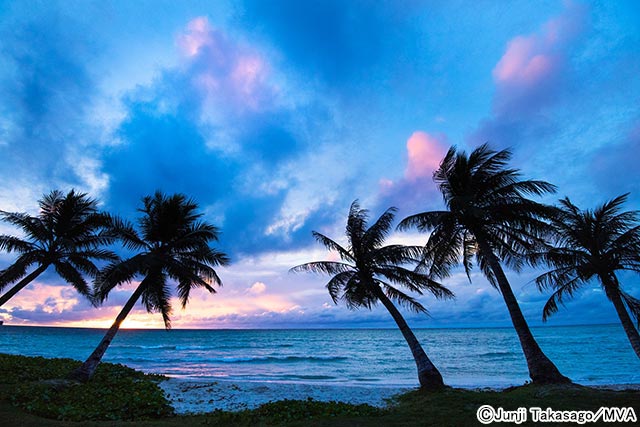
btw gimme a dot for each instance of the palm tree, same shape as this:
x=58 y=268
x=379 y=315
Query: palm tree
x=173 y=244
x=367 y=274
x=489 y=216
x=67 y=233
x=593 y=245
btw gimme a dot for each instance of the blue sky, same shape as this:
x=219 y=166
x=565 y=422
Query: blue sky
x=274 y=116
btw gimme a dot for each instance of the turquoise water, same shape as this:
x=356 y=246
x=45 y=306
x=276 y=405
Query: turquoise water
x=375 y=357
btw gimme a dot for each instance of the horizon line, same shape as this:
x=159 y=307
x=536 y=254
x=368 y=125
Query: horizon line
x=305 y=328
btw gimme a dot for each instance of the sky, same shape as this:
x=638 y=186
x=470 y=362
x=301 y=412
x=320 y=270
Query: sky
x=274 y=116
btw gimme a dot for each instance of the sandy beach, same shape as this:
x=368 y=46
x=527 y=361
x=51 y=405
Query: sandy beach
x=193 y=396
x=189 y=396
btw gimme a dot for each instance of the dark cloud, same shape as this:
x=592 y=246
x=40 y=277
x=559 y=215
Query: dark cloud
x=335 y=41
x=614 y=168
x=212 y=130
x=165 y=152
x=45 y=92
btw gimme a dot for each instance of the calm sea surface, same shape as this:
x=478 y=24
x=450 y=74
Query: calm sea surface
x=375 y=357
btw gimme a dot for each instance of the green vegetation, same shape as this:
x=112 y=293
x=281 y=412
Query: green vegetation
x=292 y=411
x=119 y=396
x=116 y=392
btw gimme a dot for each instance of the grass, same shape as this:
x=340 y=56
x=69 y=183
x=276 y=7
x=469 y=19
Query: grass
x=120 y=396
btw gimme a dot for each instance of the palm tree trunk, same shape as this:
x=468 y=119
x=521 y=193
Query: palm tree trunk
x=21 y=284
x=88 y=368
x=428 y=375
x=541 y=368
x=625 y=319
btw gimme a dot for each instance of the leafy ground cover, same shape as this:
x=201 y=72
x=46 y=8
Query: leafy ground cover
x=31 y=395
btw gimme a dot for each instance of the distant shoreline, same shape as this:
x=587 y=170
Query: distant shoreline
x=439 y=328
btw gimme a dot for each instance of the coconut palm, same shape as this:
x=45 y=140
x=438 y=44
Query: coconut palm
x=488 y=216
x=67 y=234
x=370 y=273
x=173 y=244
x=593 y=244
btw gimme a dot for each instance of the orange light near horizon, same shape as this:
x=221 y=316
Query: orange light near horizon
x=50 y=308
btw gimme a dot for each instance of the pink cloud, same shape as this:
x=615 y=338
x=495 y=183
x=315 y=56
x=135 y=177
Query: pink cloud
x=223 y=71
x=424 y=155
x=197 y=35
x=524 y=63
x=415 y=187
x=530 y=72
x=531 y=75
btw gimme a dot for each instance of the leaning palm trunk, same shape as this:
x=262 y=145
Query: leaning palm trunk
x=21 y=284
x=627 y=323
x=88 y=368
x=428 y=375
x=541 y=368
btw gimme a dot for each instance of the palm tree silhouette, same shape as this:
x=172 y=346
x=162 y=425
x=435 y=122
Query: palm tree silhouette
x=67 y=234
x=367 y=275
x=593 y=244
x=173 y=244
x=488 y=216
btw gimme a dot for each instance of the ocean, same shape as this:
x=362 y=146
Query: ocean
x=490 y=357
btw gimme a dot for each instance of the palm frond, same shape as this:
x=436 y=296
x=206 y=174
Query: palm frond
x=425 y=221
x=14 y=244
x=633 y=304
x=331 y=245
x=93 y=254
x=441 y=253
x=126 y=233
x=324 y=267
x=118 y=273
x=403 y=299
x=356 y=225
x=564 y=290
x=189 y=275
x=357 y=294
x=16 y=271
x=487 y=270
x=376 y=234
x=71 y=275
x=34 y=228
x=83 y=264
x=414 y=281
x=397 y=254
x=156 y=295
x=337 y=283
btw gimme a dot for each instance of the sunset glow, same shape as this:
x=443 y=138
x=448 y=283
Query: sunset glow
x=275 y=122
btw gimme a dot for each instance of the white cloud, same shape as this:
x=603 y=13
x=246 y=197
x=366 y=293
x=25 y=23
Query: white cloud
x=257 y=288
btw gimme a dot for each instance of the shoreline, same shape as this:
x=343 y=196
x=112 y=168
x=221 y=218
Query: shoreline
x=193 y=396
x=198 y=396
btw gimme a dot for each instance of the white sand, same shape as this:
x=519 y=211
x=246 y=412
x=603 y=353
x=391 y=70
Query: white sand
x=201 y=396
x=193 y=396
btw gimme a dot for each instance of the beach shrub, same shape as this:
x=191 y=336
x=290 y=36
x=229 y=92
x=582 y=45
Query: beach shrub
x=20 y=369
x=115 y=393
x=284 y=411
